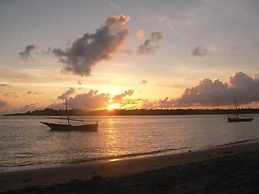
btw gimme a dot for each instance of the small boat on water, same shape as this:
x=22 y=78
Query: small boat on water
x=69 y=127
x=237 y=118
x=89 y=126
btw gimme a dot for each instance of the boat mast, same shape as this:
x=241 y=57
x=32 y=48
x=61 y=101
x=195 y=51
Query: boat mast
x=67 y=113
x=236 y=108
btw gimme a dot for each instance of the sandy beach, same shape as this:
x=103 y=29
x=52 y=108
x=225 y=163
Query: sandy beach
x=232 y=168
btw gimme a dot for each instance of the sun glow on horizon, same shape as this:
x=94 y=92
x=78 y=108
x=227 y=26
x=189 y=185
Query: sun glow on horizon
x=113 y=107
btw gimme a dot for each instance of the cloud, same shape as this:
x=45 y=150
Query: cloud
x=199 y=52
x=93 y=100
x=125 y=101
x=208 y=93
x=6 y=108
x=119 y=98
x=151 y=44
x=47 y=52
x=165 y=103
x=240 y=87
x=11 y=95
x=115 y=21
x=90 y=49
x=33 y=93
x=143 y=82
x=146 y=104
x=25 y=55
x=140 y=34
x=28 y=107
x=66 y=94
x=89 y=101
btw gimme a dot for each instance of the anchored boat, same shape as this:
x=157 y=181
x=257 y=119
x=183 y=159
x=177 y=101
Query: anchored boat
x=237 y=118
x=89 y=126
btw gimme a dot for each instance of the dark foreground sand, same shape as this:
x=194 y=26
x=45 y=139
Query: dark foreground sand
x=227 y=169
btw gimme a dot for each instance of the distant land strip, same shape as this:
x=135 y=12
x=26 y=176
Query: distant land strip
x=122 y=112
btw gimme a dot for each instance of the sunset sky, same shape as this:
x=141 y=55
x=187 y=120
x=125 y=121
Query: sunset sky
x=128 y=54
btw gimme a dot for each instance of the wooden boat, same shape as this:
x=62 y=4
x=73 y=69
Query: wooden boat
x=89 y=126
x=68 y=127
x=237 y=118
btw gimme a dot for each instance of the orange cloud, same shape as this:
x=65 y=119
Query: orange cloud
x=94 y=100
x=140 y=34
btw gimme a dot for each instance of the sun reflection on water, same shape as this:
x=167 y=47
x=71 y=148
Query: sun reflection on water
x=112 y=142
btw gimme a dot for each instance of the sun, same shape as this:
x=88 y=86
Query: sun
x=113 y=106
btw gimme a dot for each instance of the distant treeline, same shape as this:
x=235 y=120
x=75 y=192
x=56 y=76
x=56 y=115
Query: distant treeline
x=78 y=112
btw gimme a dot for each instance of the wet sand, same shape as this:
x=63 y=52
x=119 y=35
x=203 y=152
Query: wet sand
x=231 y=168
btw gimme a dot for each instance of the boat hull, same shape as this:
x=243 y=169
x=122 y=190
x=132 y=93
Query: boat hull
x=239 y=119
x=65 y=127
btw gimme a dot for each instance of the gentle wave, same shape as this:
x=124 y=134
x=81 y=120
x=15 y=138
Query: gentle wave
x=83 y=160
x=237 y=142
x=130 y=155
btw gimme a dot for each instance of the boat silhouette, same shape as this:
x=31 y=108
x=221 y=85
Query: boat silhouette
x=237 y=118
x=89 y=126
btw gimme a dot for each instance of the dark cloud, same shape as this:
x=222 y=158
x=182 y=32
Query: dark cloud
x=240 y=87
x=151 y=44
x=33 y=93
x=93 y=48
x=143 y=82
x=27 y=52
x=199 y=52
x=66 y=94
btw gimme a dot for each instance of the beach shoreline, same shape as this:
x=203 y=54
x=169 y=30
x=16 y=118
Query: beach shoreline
x=118 y=168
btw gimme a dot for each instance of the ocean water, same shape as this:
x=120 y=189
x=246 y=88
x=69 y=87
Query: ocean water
x=26 y=143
